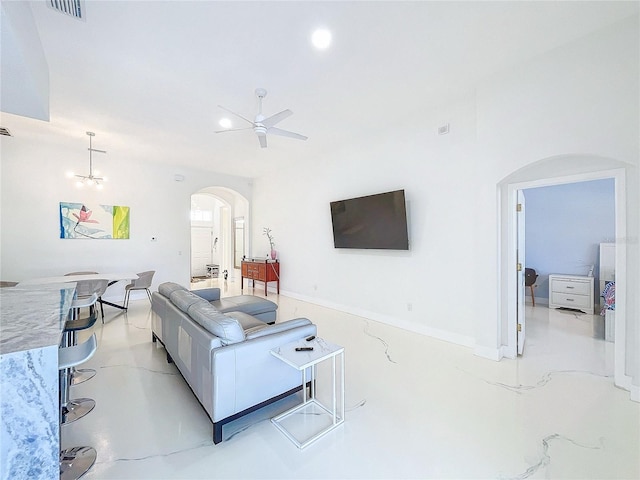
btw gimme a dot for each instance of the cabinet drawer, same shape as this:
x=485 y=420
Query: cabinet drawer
x=571 y=300
x=572 y=287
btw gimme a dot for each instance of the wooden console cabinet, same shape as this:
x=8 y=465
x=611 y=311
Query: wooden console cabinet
x=262 y=271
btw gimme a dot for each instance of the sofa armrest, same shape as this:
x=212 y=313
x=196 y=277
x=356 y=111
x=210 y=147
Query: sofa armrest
x=209 y=294
x=246 y=373
x=263 y=330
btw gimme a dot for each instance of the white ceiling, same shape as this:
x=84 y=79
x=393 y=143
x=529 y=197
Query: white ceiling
x=147 y=76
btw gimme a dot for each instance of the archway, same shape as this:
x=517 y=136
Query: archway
x=228 y=207
x=566 y=169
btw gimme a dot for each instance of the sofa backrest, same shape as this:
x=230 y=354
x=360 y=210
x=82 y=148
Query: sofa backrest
x=183 y=299
x=228 y=329
x=167 y=288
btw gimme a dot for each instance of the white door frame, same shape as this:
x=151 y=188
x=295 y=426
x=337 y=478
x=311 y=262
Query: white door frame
x=520 y=209
x=509 y=300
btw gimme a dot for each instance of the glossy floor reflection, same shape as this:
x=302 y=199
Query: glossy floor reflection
x=416 y=408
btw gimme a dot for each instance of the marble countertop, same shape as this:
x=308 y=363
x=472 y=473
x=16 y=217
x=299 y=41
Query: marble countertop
x=33 y=317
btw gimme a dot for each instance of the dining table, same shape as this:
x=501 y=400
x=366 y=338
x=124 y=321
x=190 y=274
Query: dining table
x=111 y=277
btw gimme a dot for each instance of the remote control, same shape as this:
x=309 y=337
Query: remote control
x=308 y=339
x=304 y=349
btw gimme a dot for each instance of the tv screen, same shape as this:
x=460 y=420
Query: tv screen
x=375 y=222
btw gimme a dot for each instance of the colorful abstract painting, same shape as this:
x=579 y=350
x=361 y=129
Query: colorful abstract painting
x=79 y=220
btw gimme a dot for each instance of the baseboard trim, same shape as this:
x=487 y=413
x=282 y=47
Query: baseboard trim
x=635 y=393
x=450 y=337
x=495 y=354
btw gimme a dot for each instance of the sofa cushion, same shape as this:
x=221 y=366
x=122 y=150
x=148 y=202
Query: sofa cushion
x=247 y=322
x=257 y=332
x=209 y=294
x=167 y=288
x=228 y=329
x=183 y=299
x=245 y=303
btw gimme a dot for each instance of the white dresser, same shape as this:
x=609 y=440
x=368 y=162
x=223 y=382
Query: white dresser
x=571 y=291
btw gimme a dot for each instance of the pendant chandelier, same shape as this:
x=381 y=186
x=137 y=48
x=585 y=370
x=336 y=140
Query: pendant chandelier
x=92 y=179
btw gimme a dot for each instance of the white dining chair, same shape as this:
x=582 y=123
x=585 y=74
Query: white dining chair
x=143 y=282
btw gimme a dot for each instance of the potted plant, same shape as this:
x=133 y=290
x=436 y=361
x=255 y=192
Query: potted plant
x=267 y=231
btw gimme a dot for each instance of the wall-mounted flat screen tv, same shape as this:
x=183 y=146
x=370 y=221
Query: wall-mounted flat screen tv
x=374 y=222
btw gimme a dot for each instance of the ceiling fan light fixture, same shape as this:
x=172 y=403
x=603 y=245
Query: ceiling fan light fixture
x=321 y=38
x=263 y=125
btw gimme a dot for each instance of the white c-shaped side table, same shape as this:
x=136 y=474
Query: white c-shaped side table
x=311 y=414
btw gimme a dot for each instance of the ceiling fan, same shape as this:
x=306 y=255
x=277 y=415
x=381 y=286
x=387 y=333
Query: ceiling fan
x=263 y=125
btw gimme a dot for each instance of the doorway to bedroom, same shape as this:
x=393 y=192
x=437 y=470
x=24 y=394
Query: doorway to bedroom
x=567 y=258
x=565 y=224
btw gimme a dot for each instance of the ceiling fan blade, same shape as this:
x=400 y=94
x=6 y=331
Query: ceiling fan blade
x=233 y=129
x=278 y=117
x=236 y=114
x=263 y=140
x=286 y=133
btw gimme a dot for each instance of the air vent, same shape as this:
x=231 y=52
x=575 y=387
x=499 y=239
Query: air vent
x=5 y=132
x=73 y=8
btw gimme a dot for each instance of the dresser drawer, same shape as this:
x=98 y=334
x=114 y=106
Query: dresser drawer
x=571 y=301
x=573 y=287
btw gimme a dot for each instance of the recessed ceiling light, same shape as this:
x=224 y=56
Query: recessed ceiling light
x=225 y=123
x=321 y=38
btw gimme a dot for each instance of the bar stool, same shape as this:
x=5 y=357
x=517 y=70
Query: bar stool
x=79 y=375
x=83 y=302
x=75 y=461
x=69 y=357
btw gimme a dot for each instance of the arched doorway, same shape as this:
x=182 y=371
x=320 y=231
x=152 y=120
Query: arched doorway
x=215 y=214
x=552 y=171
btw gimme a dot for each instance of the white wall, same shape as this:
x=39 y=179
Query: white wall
x=33 y=183
x=579 y=99
x=431 y=169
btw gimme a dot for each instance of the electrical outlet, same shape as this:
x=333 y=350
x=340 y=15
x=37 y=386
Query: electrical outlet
x=409 y=307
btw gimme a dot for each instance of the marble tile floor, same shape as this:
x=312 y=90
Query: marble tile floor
x=416 y=408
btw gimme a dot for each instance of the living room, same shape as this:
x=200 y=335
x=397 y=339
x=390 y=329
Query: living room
x=557 y=102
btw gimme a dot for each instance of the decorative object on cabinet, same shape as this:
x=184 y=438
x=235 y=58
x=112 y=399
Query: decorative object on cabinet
x=262 y=271
x=571 y=291
x=530 y=277
x=267 y=231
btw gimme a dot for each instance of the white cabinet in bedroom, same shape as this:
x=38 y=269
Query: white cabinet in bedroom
x=571 y=291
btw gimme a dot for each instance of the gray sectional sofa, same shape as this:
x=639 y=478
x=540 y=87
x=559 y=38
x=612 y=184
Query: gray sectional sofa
x=221 y=348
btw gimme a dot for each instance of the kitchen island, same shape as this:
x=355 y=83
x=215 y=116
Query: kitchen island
x=31 y=324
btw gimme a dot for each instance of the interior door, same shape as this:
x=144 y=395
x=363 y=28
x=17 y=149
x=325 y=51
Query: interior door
x=238 y=244
x=520 y=265
x=201 y=250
